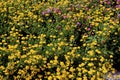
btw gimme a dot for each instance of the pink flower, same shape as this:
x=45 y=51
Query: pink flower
x=108 y=2
x=118 y=15
x=88 y=17
x=118 y=0
x=48 y=10
x=64 y=16
x=88 y=29
x=43 y=13
x=55 y=10
x=105 y=0
x=117 y=6
x=58 y=27
x=78 y=23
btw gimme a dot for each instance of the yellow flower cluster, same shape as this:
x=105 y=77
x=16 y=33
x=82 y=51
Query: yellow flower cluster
x=55 y=40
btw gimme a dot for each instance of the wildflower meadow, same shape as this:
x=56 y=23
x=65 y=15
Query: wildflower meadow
x=59 y=39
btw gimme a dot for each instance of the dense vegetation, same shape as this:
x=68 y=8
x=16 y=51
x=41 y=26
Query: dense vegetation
x=59 y=39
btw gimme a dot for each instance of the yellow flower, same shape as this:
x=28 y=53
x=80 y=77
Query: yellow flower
x=35 y=16
x=72 y=38
x=99 y=79
x=105 y=29
x=62 y=63
x=55 y=62
x=84 y=36
x=72 y=69
x=51 y=61
x=54 y=36
x=47 y=14
x=81 y=65
x=84 y=70
x=56 y=57
x=58 y=77
x=49 y=20
x=98 y=51
x=90 y=64
x=23 y=56
x=91 y=71
x=67 y=27
x=30 y=14
x=1 y=77
x=70 y=76
x=28 y=78
x=47 y=52
x=3 y=41
x=26 y=67
x=84 y=44
x=61 y=33
x=44 y=59
x=96 y=24
x=112 y=27
x=111 y=56
x=2 y=67
x=58 y=73
x=53 y=49
x=102 y=59
x=50 y=78
x=119 y=29
x=85 y=78
x=105 y=71
x=59 y=48
x=13 y=28
x=93 y=78
x=78 y=78
x=91 y=52
x=50 y=44
x=58 y=69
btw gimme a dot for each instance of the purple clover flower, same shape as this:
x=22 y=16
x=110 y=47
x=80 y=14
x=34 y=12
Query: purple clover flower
x=117 y=6
x=48 y=10
x=118 y=15
x=64 y=16
x=58 y=27
x=108 y=2
x=118 y=1
x=78 y=23
x=55 y=10
x=43 y=13
x=88 y=29
x=105 y=0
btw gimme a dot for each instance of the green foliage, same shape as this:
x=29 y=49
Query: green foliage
x=63 y=40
